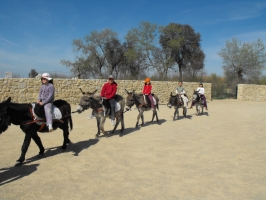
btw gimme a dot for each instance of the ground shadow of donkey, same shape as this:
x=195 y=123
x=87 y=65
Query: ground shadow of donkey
x=10 y=174
x=76 y=148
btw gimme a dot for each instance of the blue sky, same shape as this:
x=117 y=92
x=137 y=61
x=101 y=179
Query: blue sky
x=37 y=34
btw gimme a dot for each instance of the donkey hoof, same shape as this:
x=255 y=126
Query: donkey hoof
x=18 y=163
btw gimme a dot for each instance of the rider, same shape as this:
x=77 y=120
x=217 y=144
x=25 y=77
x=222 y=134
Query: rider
x=108 y=92
x=147 y=91
x=46 y=98
x=180 y=90
x=201 y=92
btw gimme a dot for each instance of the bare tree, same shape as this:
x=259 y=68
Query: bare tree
x=162 y=61
x=245 y=60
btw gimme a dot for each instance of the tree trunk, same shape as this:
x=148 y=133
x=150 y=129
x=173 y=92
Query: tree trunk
x=180 y=73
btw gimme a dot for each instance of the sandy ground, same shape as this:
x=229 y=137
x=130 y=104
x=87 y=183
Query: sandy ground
x=221 y=155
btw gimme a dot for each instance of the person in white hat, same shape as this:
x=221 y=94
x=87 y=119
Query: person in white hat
x=46 y=98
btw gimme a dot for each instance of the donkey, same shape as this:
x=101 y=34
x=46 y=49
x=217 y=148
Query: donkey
x=22 y=115
x=199 y=103
x=177 y=102
x=95 y=103
x=138 y=99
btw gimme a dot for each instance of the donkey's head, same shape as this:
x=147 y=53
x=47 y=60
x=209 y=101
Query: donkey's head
x=4 y=117
x=172 y=100
x=129 y=99
x=195 y=95
x=85 y=101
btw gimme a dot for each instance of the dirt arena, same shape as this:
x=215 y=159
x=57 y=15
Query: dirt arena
x=219 y=155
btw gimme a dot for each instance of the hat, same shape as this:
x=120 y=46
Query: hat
x=46 y=76
x=110 y=77
x=147 y=80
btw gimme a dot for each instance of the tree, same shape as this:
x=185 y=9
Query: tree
x=242 y=61
x=78 y=68
x=93 y=59
x=162 y=62
x=32 y=73
x=195 y=66
x=142 y=41
x=181 y=41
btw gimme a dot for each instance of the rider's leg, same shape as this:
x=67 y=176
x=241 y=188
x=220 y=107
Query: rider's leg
x=112 y=103
x=48 y=115
x=151 y=100
x=105 y=106
x=192 y=104
x=185 y=100
x=204 y=101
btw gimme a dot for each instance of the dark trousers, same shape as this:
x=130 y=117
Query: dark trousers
x=112 y=106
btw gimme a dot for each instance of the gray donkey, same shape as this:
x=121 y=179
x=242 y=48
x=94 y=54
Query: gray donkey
x=90 y=100
x=138 y=99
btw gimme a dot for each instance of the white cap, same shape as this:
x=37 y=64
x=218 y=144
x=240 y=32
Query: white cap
x=46 y=76
x=111 y=77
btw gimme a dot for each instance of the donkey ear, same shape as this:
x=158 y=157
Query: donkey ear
x=8 y=100
x=94 y=91
x=81 y=91
x=171 y=93
x=127 y=91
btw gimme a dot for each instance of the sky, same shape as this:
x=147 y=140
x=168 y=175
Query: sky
x=37 y=34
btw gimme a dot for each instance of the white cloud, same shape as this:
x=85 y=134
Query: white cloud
x=6 y=42
x=247 y=11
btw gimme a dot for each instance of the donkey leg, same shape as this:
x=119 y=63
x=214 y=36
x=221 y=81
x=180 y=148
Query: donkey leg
x=153 y=115
x=157 y=119
x=118 y=119
x=102 y=121
x=140 y=115
x=38 y=142
x=98 y=127
x=24 y=147
x=122 y=125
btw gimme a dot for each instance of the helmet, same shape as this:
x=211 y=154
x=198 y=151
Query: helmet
x=147 y=80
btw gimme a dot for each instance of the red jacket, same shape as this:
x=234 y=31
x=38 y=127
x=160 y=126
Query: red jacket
x=146 y=89
x=109 y=90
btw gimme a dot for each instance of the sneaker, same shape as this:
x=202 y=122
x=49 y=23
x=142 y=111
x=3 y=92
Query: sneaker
x=91 y=117
x=50 y=128
x=112 y=122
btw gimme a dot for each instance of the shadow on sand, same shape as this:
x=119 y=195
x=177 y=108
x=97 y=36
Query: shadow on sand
x=182 y=117
x=131 y=129
x=10 y=174
x=76 y=148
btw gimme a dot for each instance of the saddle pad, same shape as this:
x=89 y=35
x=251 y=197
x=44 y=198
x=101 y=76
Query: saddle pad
x=56 y=114
x=154 y=100
x=117 y=107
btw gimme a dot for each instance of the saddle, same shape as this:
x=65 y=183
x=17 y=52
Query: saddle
x=106 y=104
x=147 y=100
x=39 y=113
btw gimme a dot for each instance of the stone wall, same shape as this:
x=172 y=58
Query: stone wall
x=26 y=90
x=250 y=92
